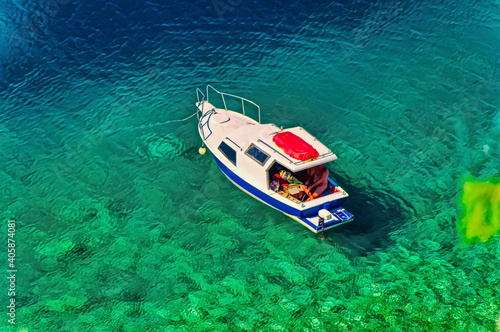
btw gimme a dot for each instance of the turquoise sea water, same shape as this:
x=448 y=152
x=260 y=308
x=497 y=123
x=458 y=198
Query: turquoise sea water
x=123 y=226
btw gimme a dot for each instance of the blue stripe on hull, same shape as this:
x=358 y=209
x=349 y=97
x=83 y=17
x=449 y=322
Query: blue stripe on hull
x=312 y=212
x=256 y=192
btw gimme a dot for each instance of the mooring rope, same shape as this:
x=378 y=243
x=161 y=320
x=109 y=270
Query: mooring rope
x=151 y=125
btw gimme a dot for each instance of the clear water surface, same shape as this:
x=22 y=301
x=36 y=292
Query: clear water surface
x=123 y=226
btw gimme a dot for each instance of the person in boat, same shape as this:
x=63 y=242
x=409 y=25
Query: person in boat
x=317 y=181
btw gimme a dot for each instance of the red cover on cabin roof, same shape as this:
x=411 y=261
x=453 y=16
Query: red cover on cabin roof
x=294 y=146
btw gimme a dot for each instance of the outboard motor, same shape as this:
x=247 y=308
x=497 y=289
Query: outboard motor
x=324 y=216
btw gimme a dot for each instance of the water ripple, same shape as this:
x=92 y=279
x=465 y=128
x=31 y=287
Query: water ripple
x=107 y=185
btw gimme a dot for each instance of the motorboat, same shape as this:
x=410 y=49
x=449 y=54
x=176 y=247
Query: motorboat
x=268 y=162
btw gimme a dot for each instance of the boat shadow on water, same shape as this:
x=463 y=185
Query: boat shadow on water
x=377 y=213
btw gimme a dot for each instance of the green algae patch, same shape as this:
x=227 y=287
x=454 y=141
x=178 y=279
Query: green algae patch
x=481 y=204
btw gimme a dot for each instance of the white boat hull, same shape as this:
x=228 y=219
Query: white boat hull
x=312 y=223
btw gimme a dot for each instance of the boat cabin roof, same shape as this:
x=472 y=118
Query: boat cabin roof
x=261 y=135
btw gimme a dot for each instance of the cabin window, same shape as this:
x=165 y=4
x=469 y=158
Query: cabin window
x=228 y=152
x=257 y=154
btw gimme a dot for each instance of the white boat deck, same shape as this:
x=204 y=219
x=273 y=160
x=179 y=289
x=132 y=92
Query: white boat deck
x=243 y=131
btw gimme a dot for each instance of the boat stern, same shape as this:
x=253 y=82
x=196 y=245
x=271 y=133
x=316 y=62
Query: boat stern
x=325 y=219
